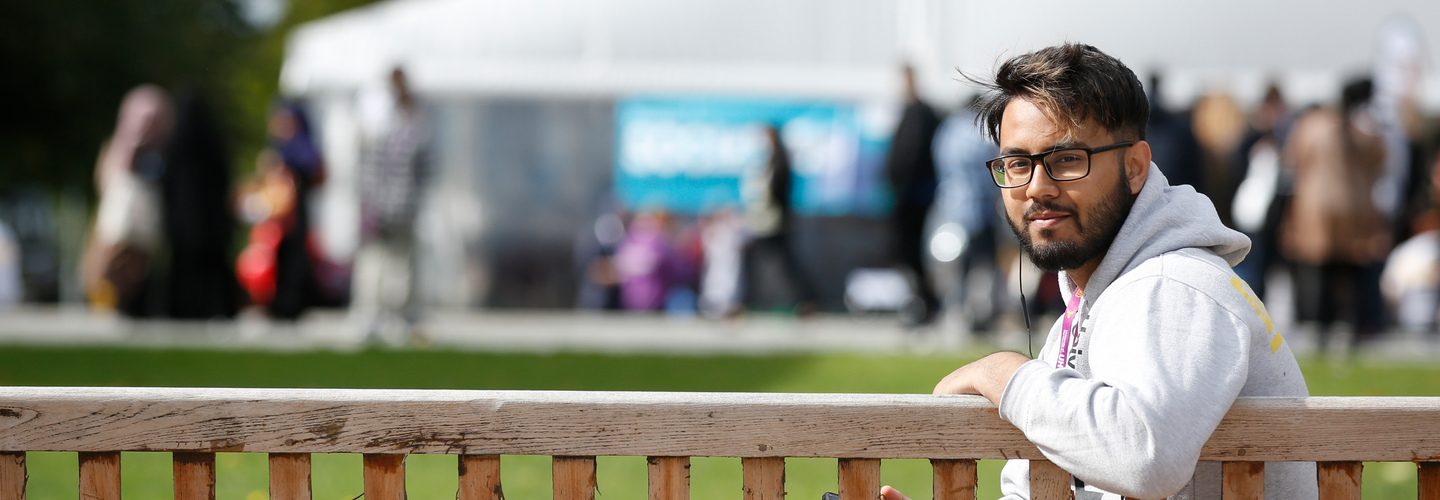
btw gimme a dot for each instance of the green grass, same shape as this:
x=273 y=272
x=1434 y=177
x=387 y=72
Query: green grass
x=242 y=476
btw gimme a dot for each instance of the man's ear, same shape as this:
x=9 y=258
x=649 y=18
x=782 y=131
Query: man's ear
x=1137 y=165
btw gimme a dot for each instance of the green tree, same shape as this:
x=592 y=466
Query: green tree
x=69 y=62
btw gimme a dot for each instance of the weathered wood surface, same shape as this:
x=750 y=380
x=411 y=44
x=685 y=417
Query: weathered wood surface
x=505 y=422
x=669 y=478
x=289 y=476
x=573 y=478
x=1339 y=480
x=384 y=477
x=954 y=479
x=100 y=476
x=1364 y=429
x=1242 y=481
x=1429 y=481
x=12 y=476
x=764 y=478
x=194 y=476
x=1049 y=482
x=859 y=478
x=653 y=424
x=480 y=478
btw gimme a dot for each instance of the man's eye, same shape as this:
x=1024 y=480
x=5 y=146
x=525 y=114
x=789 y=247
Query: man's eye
x=1068 y=158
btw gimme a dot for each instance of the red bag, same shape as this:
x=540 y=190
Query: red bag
x=255 y=268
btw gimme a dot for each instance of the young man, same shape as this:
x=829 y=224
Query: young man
x=1159 y=336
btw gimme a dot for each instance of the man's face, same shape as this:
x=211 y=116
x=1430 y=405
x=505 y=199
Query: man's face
x=1069 y=224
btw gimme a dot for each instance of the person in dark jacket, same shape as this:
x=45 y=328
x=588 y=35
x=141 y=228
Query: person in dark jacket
x=769 y=216
x=1176 y=150
x=911 y=171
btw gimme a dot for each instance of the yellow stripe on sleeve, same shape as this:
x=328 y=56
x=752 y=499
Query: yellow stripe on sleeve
x=1244 y=289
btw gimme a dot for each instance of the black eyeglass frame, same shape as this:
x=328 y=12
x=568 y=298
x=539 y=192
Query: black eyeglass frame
x=1039 y=159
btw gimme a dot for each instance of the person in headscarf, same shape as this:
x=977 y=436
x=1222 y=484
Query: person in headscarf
x=292 y=140
x=198 y=220
x=119 y=260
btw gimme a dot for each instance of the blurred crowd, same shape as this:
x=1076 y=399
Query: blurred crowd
x=1324 y=192
x=161 y=245
x=653 y=261
x=1338 y=199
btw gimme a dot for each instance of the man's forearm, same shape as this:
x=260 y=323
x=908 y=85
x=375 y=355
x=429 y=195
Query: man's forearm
x=986 y=376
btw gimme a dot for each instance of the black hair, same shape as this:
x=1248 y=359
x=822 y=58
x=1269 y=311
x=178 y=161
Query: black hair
x=1070 y=83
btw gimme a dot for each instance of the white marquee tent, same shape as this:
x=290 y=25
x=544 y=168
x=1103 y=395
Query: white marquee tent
x=463 y=53
x=845 y=49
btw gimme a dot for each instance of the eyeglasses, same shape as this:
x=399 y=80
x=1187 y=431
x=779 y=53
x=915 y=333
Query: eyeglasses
x=1068 y=164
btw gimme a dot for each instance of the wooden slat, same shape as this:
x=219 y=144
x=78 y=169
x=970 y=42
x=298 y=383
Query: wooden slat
x=1429 y=481
x=480 y=478
x=384 y=477
x=652 y=424
x=1326 y=429
x=1242 y=480
x=289 y=476
x=669 y=478
x=1048 y=481
x=954 y=479
x=100 y=476
x=503 y=422
x=573 y=477
x=194 y=476
x=12 y=476
x=764 y=478
x=859 y=479
x=1339 y=480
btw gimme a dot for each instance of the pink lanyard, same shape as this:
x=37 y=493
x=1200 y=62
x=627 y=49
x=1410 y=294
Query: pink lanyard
x=1067 y=327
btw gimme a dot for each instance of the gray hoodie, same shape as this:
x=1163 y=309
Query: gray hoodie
x=1168 y=337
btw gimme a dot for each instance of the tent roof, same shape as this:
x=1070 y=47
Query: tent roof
x=839 y=48
x=836 y=48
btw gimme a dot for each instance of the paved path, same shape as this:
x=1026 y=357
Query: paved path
x=528 y=331
x=551 y=331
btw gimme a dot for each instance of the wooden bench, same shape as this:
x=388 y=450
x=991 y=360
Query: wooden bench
x=669 y=428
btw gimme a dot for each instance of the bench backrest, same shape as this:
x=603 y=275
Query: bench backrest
x=574 y=427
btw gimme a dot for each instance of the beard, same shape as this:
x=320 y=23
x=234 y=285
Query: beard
x=1106 y=217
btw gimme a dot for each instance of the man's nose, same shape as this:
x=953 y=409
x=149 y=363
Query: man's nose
x=1041 y=185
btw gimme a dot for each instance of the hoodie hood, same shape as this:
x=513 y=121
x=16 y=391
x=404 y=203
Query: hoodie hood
x=1163 y=219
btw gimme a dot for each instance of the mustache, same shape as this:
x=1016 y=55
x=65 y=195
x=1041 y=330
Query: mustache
x=1050 y=206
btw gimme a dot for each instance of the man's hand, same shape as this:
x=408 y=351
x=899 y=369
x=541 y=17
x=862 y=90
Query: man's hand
x=888 y=493
x=986 y=376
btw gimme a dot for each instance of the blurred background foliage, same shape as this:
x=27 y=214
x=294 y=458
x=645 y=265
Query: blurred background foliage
x=68 y=63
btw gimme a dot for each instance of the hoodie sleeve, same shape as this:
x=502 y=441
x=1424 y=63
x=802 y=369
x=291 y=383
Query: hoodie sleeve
x=1015 y=480
x=1167 y=362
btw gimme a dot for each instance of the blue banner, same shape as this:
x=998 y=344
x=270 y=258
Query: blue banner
x=690 y=155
